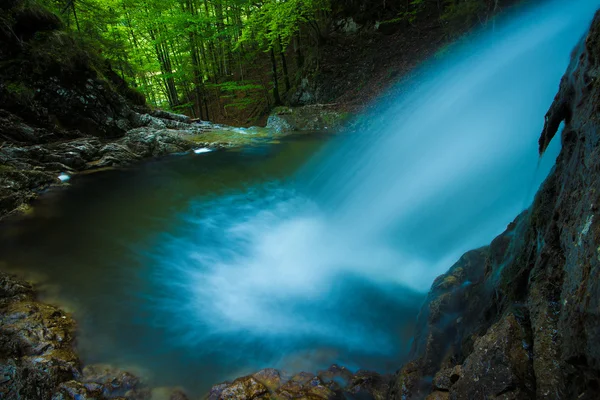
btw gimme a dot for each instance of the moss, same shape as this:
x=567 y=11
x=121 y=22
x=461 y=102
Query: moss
x=59 y=52
x=282 y=110
x=25 y=209
x=5 y=169
x=334 y=118
x=20 y=92
x=448 y=282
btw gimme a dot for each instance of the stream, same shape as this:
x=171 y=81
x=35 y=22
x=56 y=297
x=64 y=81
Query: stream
x=117 y=249
x=314 y=249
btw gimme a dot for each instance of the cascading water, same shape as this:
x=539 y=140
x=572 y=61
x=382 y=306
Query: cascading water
x=384 y=210
x=205 y=267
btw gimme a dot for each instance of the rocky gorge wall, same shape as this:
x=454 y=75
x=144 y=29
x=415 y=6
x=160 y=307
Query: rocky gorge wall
x=519 y=319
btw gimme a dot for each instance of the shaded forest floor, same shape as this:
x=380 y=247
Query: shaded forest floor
x=357 y=69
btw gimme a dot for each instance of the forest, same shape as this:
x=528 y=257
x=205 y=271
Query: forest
x=213 y=58
x=299 y=199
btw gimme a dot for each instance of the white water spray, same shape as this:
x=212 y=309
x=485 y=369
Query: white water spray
x=440 y=171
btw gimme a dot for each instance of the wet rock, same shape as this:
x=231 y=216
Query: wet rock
x=500 y=365
x=36 y=352
x=444 y=379
x=522 y=319
x=74 y=390
x=437 y=395
x=245 y=388
x=167 y=393
x=305 y=386
x=165 y=115
x=334 y=383
x=37 y=357
x=269 y=377
x=408 y=382
x=308 y=118
x=366 y=384
x=335 y=377
x=146 y=142
x=113 y=382
x=178 y=395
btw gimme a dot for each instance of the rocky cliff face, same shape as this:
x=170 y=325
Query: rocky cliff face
x=519 y=319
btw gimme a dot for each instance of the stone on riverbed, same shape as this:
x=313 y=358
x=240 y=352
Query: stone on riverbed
x=36 y=351
x=37 y=357
x=335 y=382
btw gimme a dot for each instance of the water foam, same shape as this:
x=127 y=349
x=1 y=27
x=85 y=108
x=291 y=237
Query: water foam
x=441 y=170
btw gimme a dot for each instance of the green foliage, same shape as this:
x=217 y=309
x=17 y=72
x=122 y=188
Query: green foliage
x=460 y=15
x=179 y=53
x=239 y=93
x=20 y=92
x=234 y=86
x=415 y=7
x=279 y=20
x=457 y=16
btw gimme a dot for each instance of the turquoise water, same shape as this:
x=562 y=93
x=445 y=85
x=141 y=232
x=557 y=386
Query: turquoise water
x=124 y=251
x=313 y=251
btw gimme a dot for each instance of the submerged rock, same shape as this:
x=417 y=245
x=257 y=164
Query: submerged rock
x=36 y=352
x=334 y=383
x=308 y=118
x=37 y=356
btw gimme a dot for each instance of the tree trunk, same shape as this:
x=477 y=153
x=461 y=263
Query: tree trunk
x=298 y=51
x=276 y=97
x=286 y=78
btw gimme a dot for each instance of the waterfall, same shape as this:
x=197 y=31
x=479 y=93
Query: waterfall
x=331 y=258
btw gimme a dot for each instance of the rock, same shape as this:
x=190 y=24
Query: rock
x=279 y=124
x=36 y=344
x=171 y=116
x=305 y=386
x=444 y=379
x=500 y=364
x=148 y=142
x=269 y=377
x=37 y=357
x=73 y=390
x=334 y=383
x=335 y=377
x=366 y=384
x=408 y=382
x=308 y=118
x=178 y=395
x=438 y=396
x=521 y=316
x=348 y=26
x=246 y=388
x=113 y=382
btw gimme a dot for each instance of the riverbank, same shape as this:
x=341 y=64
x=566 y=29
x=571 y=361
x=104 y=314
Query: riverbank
x=38 y=361
x=516 y=319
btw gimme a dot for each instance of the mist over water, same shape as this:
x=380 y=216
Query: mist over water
x=441 y=167
x=208 y=266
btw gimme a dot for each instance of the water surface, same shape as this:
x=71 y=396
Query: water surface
x=118 y=248
x=205 y=267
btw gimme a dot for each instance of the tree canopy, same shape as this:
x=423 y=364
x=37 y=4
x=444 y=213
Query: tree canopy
x=187 y=54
